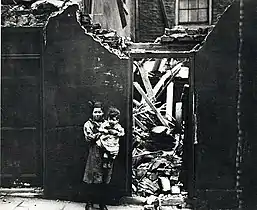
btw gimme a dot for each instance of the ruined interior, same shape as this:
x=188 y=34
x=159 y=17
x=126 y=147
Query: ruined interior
x=161 y=130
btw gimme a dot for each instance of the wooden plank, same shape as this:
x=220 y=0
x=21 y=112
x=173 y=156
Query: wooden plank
x=161 y=82
x=157 y=64
x=170 y=47
x=169 y=100
x=158 y=114
x=146 y=81
x=137 y=28
x=122 y=13
x=164 y=14
x=175 y=70
x=136 y=102
x=137 y=121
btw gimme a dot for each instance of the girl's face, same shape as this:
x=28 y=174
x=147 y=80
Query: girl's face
x=97 y=114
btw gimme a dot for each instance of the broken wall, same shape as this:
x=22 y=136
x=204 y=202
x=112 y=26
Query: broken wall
x=216 y=95
x=79 y=69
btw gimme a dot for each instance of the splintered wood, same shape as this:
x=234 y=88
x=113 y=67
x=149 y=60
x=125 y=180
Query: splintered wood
x=158 y=131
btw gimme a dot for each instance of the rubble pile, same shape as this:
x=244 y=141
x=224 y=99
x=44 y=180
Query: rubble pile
x=182 y=34
x=157 y=135
x=25 y=15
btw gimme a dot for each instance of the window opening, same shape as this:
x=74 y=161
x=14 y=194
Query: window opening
x=193 y=11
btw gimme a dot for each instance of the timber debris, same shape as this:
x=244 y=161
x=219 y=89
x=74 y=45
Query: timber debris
x=159 y=130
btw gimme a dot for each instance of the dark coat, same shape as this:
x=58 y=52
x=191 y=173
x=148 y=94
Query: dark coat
x=94 y=171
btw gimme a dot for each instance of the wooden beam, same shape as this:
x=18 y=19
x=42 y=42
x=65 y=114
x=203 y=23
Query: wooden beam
x=137 y=28
x=169 y=101
x=136 y=102
x=157 y=64
x=164 y=14
x=158 y=114
x=174 y=71
x=137 y=121
x=169 y=47
x=122 y=13
x=146 y=81
x=161 y=82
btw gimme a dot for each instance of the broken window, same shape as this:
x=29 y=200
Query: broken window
x=193 y=11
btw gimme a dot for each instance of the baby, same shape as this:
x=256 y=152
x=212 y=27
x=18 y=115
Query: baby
x=110 y=131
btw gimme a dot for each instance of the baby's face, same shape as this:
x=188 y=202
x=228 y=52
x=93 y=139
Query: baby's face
x=113 y=120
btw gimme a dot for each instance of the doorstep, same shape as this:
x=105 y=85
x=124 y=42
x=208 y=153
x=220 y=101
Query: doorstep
x=22 y=192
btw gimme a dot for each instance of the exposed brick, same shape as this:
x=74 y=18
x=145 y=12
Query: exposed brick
x=151 y=22
x=218 y=8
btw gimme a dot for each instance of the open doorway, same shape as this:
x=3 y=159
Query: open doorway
x=163 y=110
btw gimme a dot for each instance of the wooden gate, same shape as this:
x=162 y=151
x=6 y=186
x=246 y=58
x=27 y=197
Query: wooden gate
x=21 y=151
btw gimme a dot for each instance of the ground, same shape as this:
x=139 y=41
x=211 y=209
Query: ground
x=26 y=203
x=21 y=203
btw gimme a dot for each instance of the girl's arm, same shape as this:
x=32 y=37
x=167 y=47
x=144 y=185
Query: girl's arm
x=88 y=132
x=103 y=128
x=118 y=131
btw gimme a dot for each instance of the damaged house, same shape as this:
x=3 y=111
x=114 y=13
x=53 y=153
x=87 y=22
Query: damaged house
x=151 y=59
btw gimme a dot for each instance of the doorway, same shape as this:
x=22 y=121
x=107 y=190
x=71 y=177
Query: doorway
x=21 y=108
x=163 y=127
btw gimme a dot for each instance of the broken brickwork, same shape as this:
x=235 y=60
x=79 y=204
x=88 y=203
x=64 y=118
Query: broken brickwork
x=151 y=17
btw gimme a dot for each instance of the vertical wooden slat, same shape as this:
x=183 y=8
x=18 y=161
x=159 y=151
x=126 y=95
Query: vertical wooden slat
x=164 y=14
x=169 y=100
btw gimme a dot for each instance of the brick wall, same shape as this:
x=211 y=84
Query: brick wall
x=151 y=21
x=218 y=7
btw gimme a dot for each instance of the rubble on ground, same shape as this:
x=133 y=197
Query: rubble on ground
x=157 y=136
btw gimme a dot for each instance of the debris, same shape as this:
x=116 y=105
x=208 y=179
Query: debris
x=44 y=4
x=187 y=35
x=146 y=81
x=165 y=184
x=140 y=90
x=158 y=134
x=151 y=200
x=175 y=190
x=149 y=207
x=172 y=200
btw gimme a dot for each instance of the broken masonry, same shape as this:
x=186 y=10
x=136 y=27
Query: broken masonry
x=158 y=121
x=157 y=135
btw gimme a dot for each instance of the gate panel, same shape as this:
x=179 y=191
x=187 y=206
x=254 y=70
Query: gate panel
x=20 y=104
